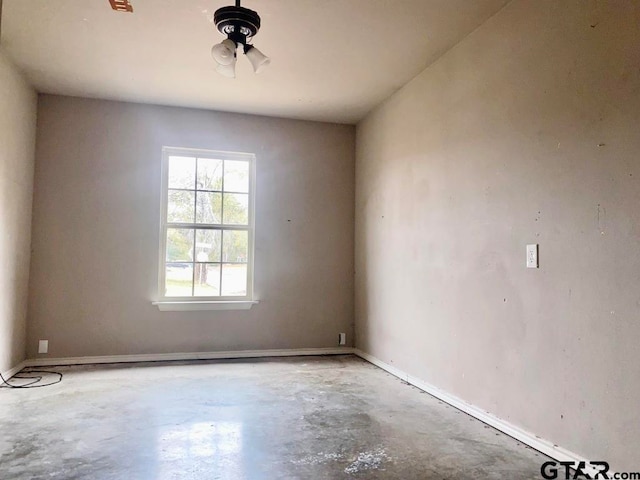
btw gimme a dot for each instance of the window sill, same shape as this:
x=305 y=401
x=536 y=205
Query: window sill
x=204 y=305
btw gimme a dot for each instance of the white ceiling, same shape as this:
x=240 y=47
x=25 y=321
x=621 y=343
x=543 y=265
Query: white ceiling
x=332 y=60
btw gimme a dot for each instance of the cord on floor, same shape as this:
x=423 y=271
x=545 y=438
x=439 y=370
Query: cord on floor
x=35 y=383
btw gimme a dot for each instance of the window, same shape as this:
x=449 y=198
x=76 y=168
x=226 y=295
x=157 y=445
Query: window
x=207 y=226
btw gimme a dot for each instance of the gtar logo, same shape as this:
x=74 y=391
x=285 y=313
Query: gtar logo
x=586 y=470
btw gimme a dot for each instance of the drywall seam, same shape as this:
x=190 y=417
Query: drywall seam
x=163 y=357
x=543 y=446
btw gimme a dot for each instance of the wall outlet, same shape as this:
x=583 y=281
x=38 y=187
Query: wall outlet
x=342 y=339
x=43 y=346
x=532 y=256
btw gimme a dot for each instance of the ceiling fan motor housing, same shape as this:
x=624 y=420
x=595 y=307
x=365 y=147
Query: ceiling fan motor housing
x=238 y=23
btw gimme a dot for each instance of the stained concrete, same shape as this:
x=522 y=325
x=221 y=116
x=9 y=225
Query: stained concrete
x=297 y=418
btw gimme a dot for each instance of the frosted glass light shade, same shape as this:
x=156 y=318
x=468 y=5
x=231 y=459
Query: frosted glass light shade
x=224 y=52
x=227 y=70
x=258 y=59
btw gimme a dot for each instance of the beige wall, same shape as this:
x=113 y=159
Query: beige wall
x=526 y=132
x=96 y=230
x=17 y=142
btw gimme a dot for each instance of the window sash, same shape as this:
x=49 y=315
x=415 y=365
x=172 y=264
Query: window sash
x=205 y=190
x=165 y=225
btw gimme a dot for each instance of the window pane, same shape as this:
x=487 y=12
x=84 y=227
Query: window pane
x=234 y=280
x=209 y=174
x=182 y=172
x=207 y=224
x=208 y=207
x=207 y=280
x=179 y=244
x=208 y=245
x=178 y=279
x=236 y=176
x=180 y=206
x=236 y=209
x=235 y=246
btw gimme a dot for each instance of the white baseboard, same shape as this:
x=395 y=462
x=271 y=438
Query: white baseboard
x=161 y=357
x=539 y=444
x=12 y=371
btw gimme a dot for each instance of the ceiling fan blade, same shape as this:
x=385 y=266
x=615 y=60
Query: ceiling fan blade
x=121 y=6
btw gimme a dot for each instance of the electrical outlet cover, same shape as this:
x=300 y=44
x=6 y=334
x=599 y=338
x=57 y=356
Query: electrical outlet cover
x=532 y=256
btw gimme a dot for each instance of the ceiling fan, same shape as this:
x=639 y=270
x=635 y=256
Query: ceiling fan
x=239 y=24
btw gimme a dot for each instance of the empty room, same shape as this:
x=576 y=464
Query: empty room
x=335 y=239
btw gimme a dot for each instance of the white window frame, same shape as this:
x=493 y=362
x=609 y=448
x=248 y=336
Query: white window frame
x=199 y=302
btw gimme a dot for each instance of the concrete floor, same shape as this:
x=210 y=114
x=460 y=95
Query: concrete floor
x=297 y=418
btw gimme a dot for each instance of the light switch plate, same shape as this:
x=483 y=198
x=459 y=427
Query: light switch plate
x=532 y=256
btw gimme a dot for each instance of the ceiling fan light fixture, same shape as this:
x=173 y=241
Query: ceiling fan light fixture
x=239 y=25
x=224 y=52
x=229 y=70
x=259 y=61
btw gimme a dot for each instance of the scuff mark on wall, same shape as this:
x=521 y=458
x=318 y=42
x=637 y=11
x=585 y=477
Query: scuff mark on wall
x=602 y=219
